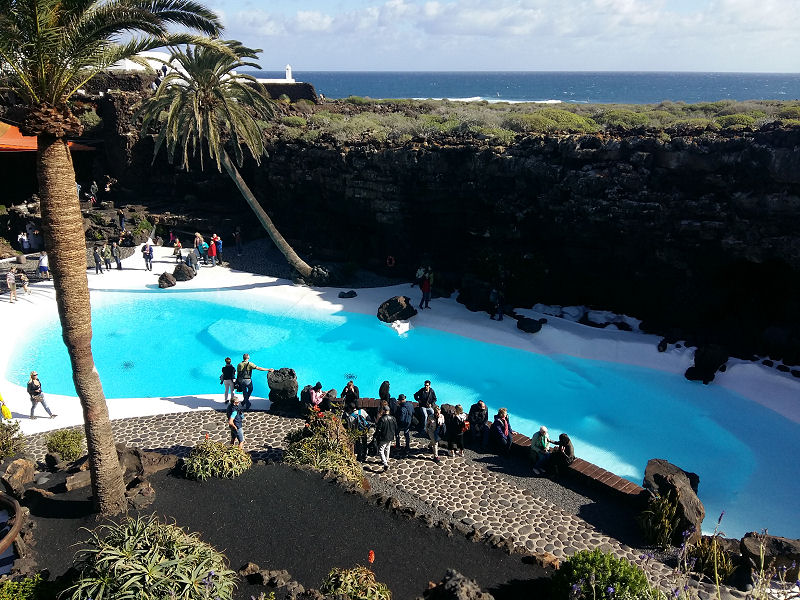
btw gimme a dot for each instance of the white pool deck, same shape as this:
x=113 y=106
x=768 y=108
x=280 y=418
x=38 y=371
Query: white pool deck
x=777 y=391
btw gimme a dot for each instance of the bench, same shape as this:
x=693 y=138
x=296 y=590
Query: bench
x=592 y=474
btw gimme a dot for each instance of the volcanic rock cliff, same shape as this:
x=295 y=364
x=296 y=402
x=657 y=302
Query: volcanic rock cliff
x=696 y=233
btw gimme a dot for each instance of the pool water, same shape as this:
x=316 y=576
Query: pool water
x=163 y=345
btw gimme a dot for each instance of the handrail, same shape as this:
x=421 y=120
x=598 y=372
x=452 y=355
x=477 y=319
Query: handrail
x=12 y=534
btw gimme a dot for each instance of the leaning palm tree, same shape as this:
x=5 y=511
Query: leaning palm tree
x=203 y=103
x=49 y=49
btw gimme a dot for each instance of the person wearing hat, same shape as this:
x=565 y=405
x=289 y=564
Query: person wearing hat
x=35 y=392
x=539 y=452
x=235 y=416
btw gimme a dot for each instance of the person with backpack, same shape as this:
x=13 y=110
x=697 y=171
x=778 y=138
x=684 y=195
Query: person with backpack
x=436 y=430
x=404 y=414
x=357 y=420
x=244 y=379
x=457 y=424
x=385 y=433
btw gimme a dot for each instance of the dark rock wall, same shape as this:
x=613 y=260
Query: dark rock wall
x=697 y=235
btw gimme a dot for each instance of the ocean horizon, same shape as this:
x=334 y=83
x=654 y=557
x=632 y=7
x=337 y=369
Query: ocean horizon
x=585 y=87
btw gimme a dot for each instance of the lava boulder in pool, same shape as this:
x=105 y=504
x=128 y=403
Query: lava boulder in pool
x=283 y=389
x=399 y=308
x=166 y=280
x=183 y=272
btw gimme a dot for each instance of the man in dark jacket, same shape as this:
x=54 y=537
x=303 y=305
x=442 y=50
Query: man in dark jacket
x=425 y=398
x=350 y=394
x=385 y=433
x=478 y=418
x=403 y=415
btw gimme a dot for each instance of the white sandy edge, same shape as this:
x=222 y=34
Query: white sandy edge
x=777 y=391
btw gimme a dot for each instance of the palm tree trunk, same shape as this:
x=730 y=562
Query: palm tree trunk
x=65 y=242
x=291 y=256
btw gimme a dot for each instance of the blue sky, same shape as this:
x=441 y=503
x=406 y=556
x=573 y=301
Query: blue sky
x=519 y=35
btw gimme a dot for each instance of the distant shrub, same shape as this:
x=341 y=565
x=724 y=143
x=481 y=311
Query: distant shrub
x=791 y=122
x=568 y=121
x=357 y=583
x=624 y=118
x=304 y=102
x=68 y=443
x=12 y=441
x=30 y=588
x=358 y=100
x=215 y=459
x=92 y=123
x=498 y=134
x=284 y=99
x=293 y=121
x=790 y=112
x=689 y=125
x=741 y=120
x=599 y=575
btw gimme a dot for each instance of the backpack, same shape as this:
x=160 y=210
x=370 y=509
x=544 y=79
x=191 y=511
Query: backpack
x=357 y=422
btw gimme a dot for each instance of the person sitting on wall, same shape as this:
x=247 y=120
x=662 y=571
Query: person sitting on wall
x=501 y=434
x=562 y=456
x=539 y=451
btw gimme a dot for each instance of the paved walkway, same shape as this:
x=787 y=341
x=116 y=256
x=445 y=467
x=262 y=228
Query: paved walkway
x=481 y=499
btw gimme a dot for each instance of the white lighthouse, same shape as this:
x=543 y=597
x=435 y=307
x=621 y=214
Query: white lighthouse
x=289 y=78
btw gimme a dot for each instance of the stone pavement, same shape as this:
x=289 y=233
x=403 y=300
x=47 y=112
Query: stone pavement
x=485 y=501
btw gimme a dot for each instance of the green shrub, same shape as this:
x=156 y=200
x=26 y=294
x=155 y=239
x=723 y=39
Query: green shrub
x=790 y=112
x=215 y=459
x=294 y=121
x=658 y=521
x=324 y=444
x=706 y=553
x=12 y=441
x=284 y=99
x=357 y=583
x=358 y=100
x=143 y=226
x=145 y=559
x=498 y=134
x=568 y=121
x=598 y=575
x=741 y=120
x=621 y=117
x=92 y=123
x=68 y=443
x=30 y=588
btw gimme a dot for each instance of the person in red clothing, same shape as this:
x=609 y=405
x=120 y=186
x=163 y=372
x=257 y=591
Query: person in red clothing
x=425 y=283
x=212 y=253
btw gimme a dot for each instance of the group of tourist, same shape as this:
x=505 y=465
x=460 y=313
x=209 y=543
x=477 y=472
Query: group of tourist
x=395 y=419
x=13 y=273
x=103 y=255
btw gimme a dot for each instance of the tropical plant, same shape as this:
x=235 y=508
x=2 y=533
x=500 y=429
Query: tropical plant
x=199 y=105
x=323 y=444
x=598 y=574
x=357 y=583
x=215 y=459
x=709 y=558
x=30 y=588
x=146 y=559
x=659 y=520
x=68 y=443
x=49 y=49
x=12 y=442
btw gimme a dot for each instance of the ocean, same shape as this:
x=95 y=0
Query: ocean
x=553 y=87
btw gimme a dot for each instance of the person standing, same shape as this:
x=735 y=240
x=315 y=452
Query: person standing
x=426 y=400
x=244 y=375
x=44 y=265
x=217 y=241
x=357 y=420
x=235 y=416
x=98 y=264
x=93 y=193
x=212 y=252
x=36 y=395
x=24 y=279
x=497 y=300
x=177 y=250
x=11 y=282
x=425 y=284
x=403 y=415
x=227 y=378
x=147 y=254
x=116 y=254
x=385 y=433
x=237 y=239
x=456 y=426
x=105 y=252
x=435 y=428
x=121 y=219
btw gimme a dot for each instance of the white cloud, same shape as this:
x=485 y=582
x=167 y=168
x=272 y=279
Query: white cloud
x=530 y=34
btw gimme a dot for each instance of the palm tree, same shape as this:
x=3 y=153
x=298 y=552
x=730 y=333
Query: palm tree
x=202 y=103
x=49 y=49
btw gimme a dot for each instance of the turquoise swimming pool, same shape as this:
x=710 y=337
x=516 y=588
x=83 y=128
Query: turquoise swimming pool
x=148 y=344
